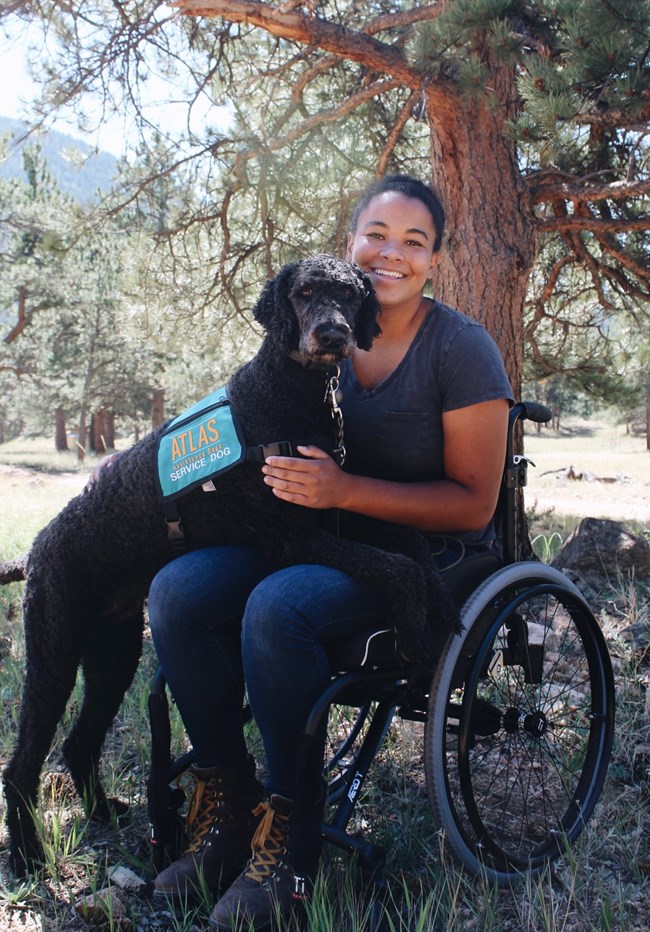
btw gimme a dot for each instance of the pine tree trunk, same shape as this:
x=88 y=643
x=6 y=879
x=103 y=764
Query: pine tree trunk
x=60 y=435
x=109 y=427
x=490 y=244
x=98 y=431
x=158 y=407
x=81 y=440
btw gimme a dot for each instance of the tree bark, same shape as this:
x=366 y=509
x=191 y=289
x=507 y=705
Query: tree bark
x=60 y=435
x=97 y=441
x=81 y=440
x=109 y=427
x=490 y=244
x=158 y=407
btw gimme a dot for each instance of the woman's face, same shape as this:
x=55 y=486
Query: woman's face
x=393 y=243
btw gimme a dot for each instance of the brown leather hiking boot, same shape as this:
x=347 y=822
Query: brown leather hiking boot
x=268 y=890
x=222 y=818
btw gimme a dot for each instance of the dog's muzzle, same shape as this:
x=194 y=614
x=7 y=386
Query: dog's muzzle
x=328 y=340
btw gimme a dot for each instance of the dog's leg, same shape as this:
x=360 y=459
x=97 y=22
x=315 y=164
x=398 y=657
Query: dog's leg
x=52 y=662
x=419 y=636
x=110 y=658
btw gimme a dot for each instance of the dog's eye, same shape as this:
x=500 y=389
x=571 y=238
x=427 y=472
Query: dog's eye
x=305 y=292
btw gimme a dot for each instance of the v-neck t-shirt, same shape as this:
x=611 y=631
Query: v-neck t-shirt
x=394 y=430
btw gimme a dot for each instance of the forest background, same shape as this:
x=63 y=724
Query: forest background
x=530 y=118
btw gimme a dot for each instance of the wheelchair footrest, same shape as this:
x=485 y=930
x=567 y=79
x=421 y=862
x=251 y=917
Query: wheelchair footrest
x=371 y=857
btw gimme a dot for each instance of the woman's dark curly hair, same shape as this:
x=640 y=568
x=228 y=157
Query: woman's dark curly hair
x=409 y=187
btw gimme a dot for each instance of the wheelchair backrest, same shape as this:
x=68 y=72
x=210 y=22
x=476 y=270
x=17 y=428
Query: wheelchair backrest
x=508 y=522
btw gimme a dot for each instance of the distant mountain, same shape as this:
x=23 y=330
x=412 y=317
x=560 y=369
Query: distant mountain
x=77 y=168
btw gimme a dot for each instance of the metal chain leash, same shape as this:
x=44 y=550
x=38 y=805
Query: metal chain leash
x=332 y=397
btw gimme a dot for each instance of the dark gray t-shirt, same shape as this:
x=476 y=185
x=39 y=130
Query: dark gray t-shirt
x=394 y=431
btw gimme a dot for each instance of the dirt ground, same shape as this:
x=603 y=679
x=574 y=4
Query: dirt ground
x=589 y=471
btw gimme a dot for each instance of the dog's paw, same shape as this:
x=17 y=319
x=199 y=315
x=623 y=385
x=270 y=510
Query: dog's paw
x=111 y=811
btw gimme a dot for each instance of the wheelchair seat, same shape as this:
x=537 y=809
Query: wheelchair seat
x=376 y=647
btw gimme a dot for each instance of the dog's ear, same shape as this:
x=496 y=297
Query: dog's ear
x=273 y=309
x=366 y=327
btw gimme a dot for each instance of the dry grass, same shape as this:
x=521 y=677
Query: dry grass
x=614 y=465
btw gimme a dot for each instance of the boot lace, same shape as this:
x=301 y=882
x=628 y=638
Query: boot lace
x=268 y=844
x=203 y=811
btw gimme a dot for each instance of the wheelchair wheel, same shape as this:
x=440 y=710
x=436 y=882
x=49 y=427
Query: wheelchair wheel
x=520 y=723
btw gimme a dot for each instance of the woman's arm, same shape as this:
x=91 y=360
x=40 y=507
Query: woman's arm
x=474 y=450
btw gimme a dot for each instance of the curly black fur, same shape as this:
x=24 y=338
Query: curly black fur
x=89 y=570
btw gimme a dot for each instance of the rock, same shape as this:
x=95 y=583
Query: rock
x=602 y=548
x=107 y=906
x=126 y=879
x=637 y=636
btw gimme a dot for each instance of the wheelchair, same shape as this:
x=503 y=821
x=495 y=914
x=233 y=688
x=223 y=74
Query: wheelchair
x=518 y=714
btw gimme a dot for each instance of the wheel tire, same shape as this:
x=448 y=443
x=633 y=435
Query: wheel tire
x=520 y=724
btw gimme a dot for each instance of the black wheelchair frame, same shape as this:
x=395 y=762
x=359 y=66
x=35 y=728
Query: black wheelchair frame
x=518 y=714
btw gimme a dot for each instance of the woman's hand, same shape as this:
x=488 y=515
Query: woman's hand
x=314 y=482
x=101 y=465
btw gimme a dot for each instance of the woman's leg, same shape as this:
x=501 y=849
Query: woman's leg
x=289 y=618
x=195 y=609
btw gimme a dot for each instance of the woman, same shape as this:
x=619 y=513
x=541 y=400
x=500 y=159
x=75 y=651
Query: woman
x=425 y=415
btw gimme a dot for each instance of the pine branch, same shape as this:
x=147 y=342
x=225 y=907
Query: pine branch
x=610 y=246
x=310 y=30
x=23 y=318
x=576 y=224
x=325 y=116
x=395 y=135
x=581 y=191
x=388 y=21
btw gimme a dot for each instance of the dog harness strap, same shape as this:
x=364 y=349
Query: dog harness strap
x=175 y=531
x=259 y=453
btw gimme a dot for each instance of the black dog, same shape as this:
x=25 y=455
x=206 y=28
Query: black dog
x=89 y=570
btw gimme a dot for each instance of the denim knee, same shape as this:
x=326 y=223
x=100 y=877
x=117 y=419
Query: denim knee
x=273 y=625
x=205 y=588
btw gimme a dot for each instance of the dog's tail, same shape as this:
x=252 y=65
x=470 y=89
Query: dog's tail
x=13 y=570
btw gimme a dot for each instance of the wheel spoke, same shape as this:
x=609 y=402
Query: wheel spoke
x=527 y=754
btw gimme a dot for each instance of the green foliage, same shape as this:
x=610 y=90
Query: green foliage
x=207 y=216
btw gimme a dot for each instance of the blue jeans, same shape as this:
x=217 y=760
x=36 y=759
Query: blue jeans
x=220 y=619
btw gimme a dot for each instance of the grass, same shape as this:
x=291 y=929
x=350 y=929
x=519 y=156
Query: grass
x=603 y=883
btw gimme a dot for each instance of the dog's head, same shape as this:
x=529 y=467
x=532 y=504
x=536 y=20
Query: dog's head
x=321 y=308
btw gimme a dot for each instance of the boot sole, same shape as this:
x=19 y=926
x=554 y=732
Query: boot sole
x=220 y=927
x=176 y=897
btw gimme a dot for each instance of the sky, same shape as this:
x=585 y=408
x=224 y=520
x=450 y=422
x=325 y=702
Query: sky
x=114 y=134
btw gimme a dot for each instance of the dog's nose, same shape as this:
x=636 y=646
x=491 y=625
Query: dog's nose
x=332 y=336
